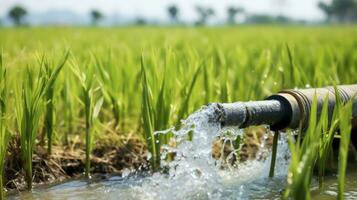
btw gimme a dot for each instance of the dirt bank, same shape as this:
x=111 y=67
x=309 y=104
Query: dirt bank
x=66 y=163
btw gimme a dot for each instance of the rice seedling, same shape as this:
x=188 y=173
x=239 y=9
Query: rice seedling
x=327 y=136
x=29 y=109
x=68 y=101
x=4 y=136
x=187 y=93
x=163 y=111
x=316 y=147
x=303 y=158
x=147 y=109
x=109 y=77
x=345 y=114
x=92 y=107
x=49 y=99
x=156 y=112
x=206 y=84
x=4 y=133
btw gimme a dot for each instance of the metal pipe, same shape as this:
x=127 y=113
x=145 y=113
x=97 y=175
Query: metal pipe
x=286 y=109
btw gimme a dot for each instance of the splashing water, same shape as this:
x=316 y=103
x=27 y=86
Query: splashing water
x=193 y=174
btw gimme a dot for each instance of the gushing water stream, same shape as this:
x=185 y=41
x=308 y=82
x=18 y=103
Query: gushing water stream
x=193 y=174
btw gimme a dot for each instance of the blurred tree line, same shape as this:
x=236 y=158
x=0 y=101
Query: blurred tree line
x=17 y=14
x=96 y=16
x=342 y=11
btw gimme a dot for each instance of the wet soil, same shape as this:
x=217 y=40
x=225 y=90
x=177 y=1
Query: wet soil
x=67 y=163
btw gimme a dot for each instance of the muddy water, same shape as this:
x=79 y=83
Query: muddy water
x=329 y=190
x=126 y=188
x=194 y=174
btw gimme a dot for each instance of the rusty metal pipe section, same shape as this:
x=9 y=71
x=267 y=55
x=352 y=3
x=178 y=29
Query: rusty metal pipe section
x=286 y=109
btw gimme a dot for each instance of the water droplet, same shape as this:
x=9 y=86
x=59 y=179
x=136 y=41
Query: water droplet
x=125 y=173
x=148 y=155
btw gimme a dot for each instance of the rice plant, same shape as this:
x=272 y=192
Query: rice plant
x=67 y=96
x=148 y=117
x=316 y=147
x=92 y=106
x=29 y=109
x=345 y=115
x=4 y=133
x=187 y=93
x=303 y=157
x=4 y=139
x=156 y=111
x=109 y=77
x=328 y=132
x=50 y=100
x=163 y=111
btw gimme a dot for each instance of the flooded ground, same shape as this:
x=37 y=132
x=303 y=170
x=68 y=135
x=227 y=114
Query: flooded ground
x=128 y=188
x=329 y=190
x=194 y=174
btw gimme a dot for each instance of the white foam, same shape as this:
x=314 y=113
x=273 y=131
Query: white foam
x=194 y=175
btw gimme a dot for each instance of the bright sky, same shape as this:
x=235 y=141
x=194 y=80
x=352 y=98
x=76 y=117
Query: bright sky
x=156 y=9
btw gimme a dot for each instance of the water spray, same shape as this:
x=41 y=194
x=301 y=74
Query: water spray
x=286 y=109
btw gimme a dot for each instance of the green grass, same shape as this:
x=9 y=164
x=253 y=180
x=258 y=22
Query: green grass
x=150 y=78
